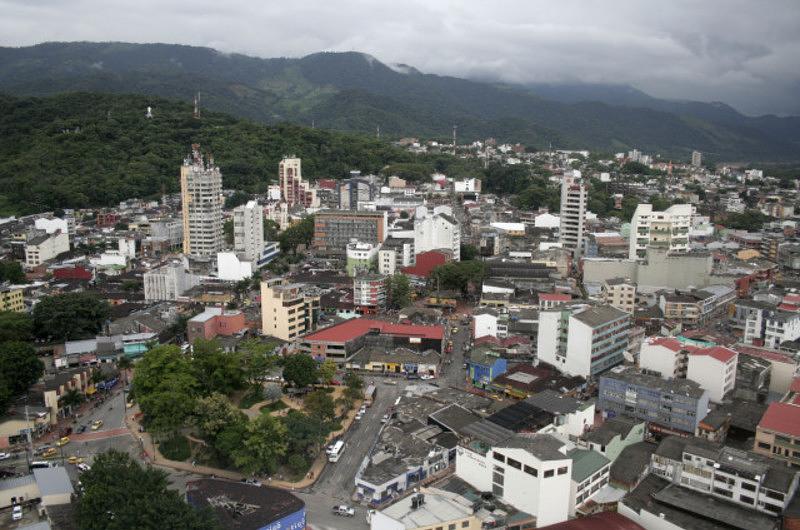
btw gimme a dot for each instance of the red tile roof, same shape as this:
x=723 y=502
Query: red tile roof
x=720 y=353
x=357 y=327
x=598 y=521
x=555 y=297
x=670 y=343
x=782 y=418
x=425 y=263
x=765 y=353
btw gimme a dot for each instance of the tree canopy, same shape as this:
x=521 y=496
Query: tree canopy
x=69 y=316
x=119 y=494
x=15 y=326
x=300 y=370
x=166 y=388
x=20 y=367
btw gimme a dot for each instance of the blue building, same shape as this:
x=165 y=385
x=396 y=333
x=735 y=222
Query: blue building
x=670 y=406
x=483 y=366
x=247 y=507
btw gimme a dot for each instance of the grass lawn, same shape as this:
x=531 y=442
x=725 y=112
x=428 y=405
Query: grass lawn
x=274 y=407
x=176 y=448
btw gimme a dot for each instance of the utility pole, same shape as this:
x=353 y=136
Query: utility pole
x=29 y=452
x=378 y=132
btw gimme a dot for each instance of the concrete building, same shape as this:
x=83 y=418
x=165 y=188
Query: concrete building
x=484 y=322
x=295 y=190
x=41 y=247
x=395 y=254
x=619 y=293
x=614 y=435
x=52 y=225
x=669 y=406
x=352 y=191
x=430 y=508
x=714 y=369
x=287 y=309
x=334 y=229
x=661 y=268
x=231 y=268
x=248 y=230
x=437 y=230
x=697 y=306
x=361 y=257
x=574 y=197
x=531 y=473
x=11 y=299
x=668 y=229
x=369 y=293
x=697 y=159
x=583 y=340
x=168 y=282
x=780 y=326
x=213 y=322
x=201 y=199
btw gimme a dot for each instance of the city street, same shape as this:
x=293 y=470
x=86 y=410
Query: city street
x=454 y=371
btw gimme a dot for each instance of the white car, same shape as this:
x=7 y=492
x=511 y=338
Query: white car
x=359 y=416
x=427 y=377
x=344 y=510
x=16 y=513
x=83 y=467
x=363 y=409
x=5 y=456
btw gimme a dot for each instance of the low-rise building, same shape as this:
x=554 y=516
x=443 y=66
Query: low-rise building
x=619 y=293
x=778 y=432
x=395 y=254
x=168 y=282
x=11 y=299
x=288 y=310
x=614 y=435
x=41 y=246
x=430 y=508
x=369 y=293
x=215 y=321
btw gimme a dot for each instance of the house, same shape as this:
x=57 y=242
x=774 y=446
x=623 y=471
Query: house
x=778 y=432
x=214 y=321
x=484 y=323
x=483 y=365
x=614 y=435
x=714 y=369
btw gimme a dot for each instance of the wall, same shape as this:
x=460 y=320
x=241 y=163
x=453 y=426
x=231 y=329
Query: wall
x=579 y=348
x=485 y=325
x=27 y=491
x=384 y=522
x=710 y=374
x=293 y=521
x=658 y=358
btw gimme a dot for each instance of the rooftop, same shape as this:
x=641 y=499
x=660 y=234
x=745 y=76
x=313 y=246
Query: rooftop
x=632 y=462
x=357 y=327
x=617 y=426
x=542 y=446
x=720 y=353
x=439 y=507
x=634 y=377
x=597 y=521
x=782 y=418
x=586 y=463
x=556 y=403
x=712 y=508
x=53 y=481
x=600 y=315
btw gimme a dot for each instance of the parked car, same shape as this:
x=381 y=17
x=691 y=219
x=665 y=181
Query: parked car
x=5 y=456
x=359 y=415
x=75 y=460
x=62 y=441
x=427 y=377
x=252 y=481
x=344 y=510
x=96 y=424
x=82 y=428
x=50 y=453
x=84 y=467
x=16 y=513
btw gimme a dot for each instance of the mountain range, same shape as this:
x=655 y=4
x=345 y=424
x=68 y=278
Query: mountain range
x=356 y=92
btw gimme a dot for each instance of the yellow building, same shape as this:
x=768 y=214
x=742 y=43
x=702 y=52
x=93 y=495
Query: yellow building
x=287 y=311
x=11 y=300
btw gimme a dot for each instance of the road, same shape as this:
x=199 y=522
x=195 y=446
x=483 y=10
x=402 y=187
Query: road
x=453 y=373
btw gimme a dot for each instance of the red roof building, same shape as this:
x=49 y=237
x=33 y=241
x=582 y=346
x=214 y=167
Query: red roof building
x=778 y=433
x=597 y=521
x=340 y=341
x=720 y=353
x=426 y=262
x=549 y=300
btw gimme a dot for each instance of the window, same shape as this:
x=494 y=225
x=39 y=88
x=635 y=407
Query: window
x=497 y=490
x=548 y=473
x=499 y=457
x=531 y=471
x=513 y=463
x=451 y=527
x=562 y=470
x=774 y=495
x=746 y=499
x=498 y=478
x=764 y=445
x=464 y=524
x=726 y=493
x=747 y=486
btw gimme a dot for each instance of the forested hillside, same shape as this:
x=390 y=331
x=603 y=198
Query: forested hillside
x=78 y=150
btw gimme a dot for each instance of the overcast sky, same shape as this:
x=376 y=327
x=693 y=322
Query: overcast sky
x=745 y=53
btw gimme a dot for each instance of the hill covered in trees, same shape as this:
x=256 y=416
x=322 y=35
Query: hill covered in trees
x=80 y=150
x=356 y=92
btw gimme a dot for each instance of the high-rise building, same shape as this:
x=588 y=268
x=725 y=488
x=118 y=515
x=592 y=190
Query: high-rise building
x=369 y=292
x=295 y=190
x=668 y=229
x=697 y=159
x=574 y=195
x=395 y=254
x=352 y=191
x=583 y=340
x=437 y=231
x=248 y=230
x=288 y=310
x=201 y=197
x=333 y=229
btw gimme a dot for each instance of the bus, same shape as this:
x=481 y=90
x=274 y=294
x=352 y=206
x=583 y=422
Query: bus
x=335 y=451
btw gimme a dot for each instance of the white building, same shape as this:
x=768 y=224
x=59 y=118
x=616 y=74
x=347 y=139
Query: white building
x=714 y=369
x=471 y=185
x=668 y=229
x=583 y=340
x=439 y=230
x=51 y=226
x=168 y=282
x=484 y=323
x=201 y=199
x=233 y=269
x=438 y=509
x=127 y=247
x=42 y=247
x=547 y=220
x=697 y=159
x=780 y=326
x=619 y=293
x=664 y=356
x=248 y=231
x=574 y=196
x=396 y=253
x=531 y=473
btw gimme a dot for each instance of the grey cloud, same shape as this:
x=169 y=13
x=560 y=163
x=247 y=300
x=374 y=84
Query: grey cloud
x=743 y=52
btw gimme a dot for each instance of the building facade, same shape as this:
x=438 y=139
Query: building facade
x=11 y=299
x=668 y=229
x=287 y=310
x=201 y=199
x=295 y=190
x=396 y=253
x=619 y=293
x=369 y=293
x=248 y=231
x=42 y=247
x=436 y=231
x=574 y=196
x=334 y=229
x=361 y=257
x=168 y=282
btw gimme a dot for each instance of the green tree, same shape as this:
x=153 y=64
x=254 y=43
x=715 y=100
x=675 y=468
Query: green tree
x=305 y=434
x=20 y=367
x=229 y=440
x=220 y=371
x=71 y=398
x=297 y=234
x=319 y=404
x=399 y=291
x=11 y=271
x=215 y=412
x=264 y=444
x=227 y=231
x=327 y=371
x=459 y=275
x=15 y=326
x=236 y=199
x=271 y=230
x=120 y=494
x=297 y=464
x=69 y=316
x=354 y=386
x=635 y=168
x=257 y=359
x=468 y=252
x=300 y=370
x=166 y=388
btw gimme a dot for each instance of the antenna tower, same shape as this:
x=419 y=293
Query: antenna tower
x=197 y=106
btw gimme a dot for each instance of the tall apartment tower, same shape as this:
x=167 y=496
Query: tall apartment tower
x=295 y=190
x=574 y=195
x=201 y=197
x=697 y=159
x=248 y=230
x=668 y=229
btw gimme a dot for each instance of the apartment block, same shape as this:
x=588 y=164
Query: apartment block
x=352 y=191
x=168 y=282
x=201 y=199
x=574 y=197
x=11 y=299
x=619 y=293
x=778 y=432
x=333 y=230
x=369 y=293
x=669 y=406
x=436 y=231
x=295 y=190
x=697 y=306
x=288 y=310
x=248 y=231
x=583 y=340
x=668 y=229
x=395 y=254
x=361 y=257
